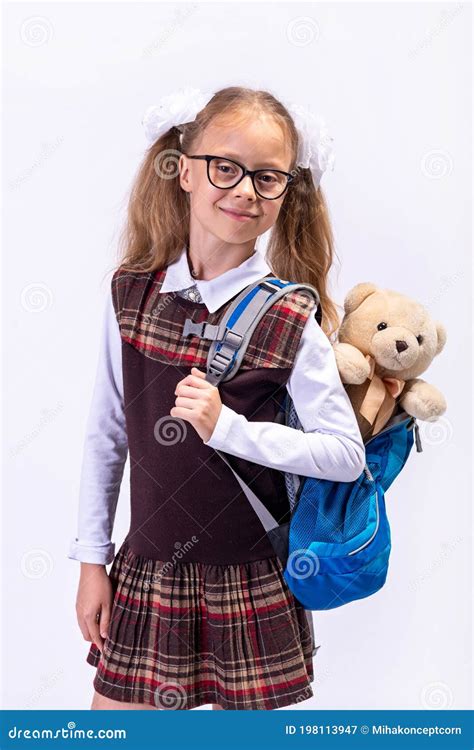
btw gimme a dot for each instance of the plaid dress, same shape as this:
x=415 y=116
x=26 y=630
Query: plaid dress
x=209 y=619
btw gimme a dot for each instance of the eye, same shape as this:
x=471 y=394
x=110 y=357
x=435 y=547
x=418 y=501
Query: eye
x=419 y=339
x=225 y=168
x=268 y=178
x=381 y=326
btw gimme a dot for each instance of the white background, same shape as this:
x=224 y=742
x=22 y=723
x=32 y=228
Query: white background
x=393 y=82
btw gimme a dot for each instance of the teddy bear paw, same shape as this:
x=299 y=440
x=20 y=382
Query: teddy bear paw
x=353 y=367
x=427 y=404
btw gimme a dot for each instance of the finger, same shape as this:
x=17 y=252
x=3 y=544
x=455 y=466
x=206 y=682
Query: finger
x=180 y=413
x=94 y=631
x=198 y=382
x=104 y=621
x=199 y=373
x=188 y=390
x=186 y=403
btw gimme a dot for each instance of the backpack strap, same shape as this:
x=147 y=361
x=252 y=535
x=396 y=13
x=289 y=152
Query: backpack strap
x=231 y=337
x=230 y=340
x=239 y=322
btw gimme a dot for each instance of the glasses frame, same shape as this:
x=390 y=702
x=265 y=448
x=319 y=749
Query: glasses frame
x=245 y=171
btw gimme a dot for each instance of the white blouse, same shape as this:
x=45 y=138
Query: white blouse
x=331 y=446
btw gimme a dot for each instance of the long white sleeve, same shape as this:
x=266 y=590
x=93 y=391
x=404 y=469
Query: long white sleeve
x=105 y=451
x=331 y=447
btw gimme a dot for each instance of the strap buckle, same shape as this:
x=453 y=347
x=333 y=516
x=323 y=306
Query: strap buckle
x=203 y=330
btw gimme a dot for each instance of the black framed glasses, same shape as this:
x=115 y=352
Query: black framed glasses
x=226 y=173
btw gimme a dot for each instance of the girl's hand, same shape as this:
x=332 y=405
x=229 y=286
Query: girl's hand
x=94 y=597
x=198 y=402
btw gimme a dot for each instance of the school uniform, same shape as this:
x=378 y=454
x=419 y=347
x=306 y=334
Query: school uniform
x=201 y=609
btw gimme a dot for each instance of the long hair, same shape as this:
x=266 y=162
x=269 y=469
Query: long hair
x=301 y=243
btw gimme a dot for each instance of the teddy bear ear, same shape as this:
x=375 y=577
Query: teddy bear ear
x=357 y=295
x=441 y=331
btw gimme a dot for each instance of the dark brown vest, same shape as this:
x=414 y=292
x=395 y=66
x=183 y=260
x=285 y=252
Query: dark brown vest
x=185 y=502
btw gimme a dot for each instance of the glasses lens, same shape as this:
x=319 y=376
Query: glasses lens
x=270 y=184
x=226 y=174
x=223 y=173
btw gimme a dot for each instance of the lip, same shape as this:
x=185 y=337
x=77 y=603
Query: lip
x=236 y=215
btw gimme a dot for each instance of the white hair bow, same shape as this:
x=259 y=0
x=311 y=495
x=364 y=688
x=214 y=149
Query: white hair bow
x=315 y=150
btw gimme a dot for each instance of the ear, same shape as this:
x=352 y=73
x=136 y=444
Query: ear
x=183 y=173
x=441 y=331
x=357 y=295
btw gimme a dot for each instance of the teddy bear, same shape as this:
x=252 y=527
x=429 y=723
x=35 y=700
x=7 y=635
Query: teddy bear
x=385 y=341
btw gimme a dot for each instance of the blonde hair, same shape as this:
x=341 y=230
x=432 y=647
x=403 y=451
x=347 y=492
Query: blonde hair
x=301 y=243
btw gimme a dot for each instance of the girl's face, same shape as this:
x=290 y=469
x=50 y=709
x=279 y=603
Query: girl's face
x=256 y=144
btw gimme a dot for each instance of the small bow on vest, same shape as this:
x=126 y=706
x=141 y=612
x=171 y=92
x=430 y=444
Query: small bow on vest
x=379 y=401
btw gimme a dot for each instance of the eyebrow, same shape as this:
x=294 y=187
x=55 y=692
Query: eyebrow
x=270 y=164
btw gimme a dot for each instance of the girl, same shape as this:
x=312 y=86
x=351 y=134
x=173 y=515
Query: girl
x=195 y=608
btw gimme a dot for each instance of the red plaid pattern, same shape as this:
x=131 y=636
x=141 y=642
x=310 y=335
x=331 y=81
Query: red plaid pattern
x=153 y=323
x=186 y=634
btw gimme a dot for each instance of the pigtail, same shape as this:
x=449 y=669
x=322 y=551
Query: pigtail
x=157 y=223
x=301 y=246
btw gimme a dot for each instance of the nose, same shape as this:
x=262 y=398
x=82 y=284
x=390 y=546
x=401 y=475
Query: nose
x=245 y=187
x=401 y=346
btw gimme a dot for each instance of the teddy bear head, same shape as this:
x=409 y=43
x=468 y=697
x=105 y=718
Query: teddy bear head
x=396 y=331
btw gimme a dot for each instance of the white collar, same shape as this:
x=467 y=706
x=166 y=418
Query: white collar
x=215 y=292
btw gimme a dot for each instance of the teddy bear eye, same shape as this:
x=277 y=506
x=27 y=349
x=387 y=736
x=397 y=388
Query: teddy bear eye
x=419 y=339
x=381 y=326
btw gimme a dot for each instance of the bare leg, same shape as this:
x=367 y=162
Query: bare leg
x=100 y=702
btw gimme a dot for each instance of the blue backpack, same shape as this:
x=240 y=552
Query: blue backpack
x=336 y=546
x=339 y=535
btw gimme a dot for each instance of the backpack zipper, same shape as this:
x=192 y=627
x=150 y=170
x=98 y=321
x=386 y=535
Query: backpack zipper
x=368 y=473
x=386 y=429
x=411 y=424
x=376 y=527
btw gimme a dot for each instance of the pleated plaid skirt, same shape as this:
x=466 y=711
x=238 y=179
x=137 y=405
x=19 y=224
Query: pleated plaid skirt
x=185 y=634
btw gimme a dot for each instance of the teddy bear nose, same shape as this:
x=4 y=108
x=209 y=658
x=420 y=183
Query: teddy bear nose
x=401 y=346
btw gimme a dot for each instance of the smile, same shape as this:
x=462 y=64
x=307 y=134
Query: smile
x=237 y=216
